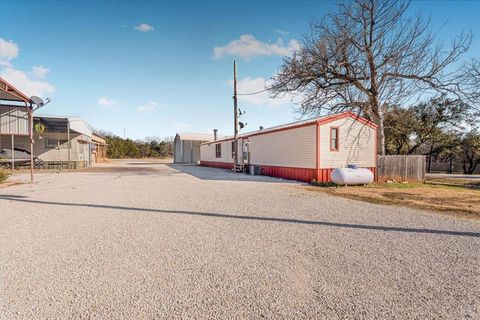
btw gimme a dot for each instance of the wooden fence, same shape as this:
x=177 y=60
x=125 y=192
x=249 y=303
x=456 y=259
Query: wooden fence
x=401 y=168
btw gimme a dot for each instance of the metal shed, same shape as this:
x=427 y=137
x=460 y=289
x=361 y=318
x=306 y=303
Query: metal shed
x=186 y=147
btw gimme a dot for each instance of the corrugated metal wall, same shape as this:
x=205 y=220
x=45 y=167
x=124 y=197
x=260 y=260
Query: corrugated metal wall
x=13 y=120
x=186 y=151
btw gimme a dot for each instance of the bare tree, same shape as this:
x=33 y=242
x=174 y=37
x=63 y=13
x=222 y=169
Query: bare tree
x=368 y=57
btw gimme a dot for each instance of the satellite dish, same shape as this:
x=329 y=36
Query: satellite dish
x=37 y=100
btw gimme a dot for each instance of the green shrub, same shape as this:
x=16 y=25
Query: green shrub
x=3 y=175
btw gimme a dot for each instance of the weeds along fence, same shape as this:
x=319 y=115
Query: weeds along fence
x=401 y=168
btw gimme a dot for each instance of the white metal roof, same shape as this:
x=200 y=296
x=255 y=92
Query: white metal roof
x=76 y=124
x=196 y=136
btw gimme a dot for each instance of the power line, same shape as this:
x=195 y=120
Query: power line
x=451 y=16
x=441 y=27
x=252 y=93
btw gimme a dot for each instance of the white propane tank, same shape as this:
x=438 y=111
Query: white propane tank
x=350 y=176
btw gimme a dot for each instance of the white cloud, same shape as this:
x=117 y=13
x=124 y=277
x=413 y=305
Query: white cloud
x=251 y=85
x=6 y=64
x=28 y=86
x=282 y=32
x=247 y=46
x=40 y=71
x=181 y=126
x=8 y=50
x=151 y=106
x=106 y=102
x=144 y=27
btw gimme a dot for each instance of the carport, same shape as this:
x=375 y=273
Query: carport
x=186 y=147
x=63 y=138
x=16 y=118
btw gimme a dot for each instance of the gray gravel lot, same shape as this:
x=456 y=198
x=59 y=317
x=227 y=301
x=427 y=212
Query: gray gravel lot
x=147 y=240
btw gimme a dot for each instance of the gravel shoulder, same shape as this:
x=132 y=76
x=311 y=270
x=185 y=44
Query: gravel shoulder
x=152 y=240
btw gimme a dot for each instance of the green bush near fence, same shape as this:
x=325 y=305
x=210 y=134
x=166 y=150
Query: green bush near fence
x=3 y=175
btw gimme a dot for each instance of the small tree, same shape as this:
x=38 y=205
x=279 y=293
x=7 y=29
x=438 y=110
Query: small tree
x=439 y=120
x=368 y=57
x=470 y=151
x=400 y=128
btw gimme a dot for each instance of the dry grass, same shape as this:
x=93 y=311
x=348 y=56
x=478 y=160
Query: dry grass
x=3 y=175
x=4 y=182
x=457 y=200
x=469 y=183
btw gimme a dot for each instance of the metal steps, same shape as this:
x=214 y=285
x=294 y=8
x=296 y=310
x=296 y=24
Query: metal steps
x=239 y=168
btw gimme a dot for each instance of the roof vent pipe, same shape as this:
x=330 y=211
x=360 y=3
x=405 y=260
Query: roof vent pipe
x=215 y=134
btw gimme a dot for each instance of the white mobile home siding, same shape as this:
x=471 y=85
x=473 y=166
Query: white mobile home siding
x=356 y=144
x=287 y=148
x=207 y=152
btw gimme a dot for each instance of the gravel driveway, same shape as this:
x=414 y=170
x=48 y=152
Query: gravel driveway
x=135 y=240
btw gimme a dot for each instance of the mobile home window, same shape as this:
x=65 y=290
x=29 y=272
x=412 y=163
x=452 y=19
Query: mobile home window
x=218 y=150
x=333 y=139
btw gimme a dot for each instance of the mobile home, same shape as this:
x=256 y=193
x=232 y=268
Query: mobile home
x=305 y=150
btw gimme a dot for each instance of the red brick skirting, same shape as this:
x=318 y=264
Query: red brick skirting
x=214 y=164
x=300 y=174
x=290 y=173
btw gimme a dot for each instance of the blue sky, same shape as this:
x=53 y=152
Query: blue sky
x=152 y=68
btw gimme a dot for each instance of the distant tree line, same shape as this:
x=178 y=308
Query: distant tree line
x=150 y=147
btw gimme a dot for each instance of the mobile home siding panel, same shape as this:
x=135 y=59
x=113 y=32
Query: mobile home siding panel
x=288 y=148
x=207 y=152
x=356 y=144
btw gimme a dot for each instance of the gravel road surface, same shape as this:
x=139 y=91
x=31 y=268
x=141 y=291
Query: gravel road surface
x=146 y=240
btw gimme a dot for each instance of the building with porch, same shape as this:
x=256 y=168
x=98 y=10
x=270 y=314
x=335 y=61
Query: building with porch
x=16 y=122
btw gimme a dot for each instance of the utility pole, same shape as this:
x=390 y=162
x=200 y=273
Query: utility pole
x=235 y=113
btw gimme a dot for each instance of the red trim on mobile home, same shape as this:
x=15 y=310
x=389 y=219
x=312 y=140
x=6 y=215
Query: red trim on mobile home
x=301 y=174
x=376 y=154
x=279 y=129
x=317 y=150
x=319 y=121
x=217 y=164
x=289 y=173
